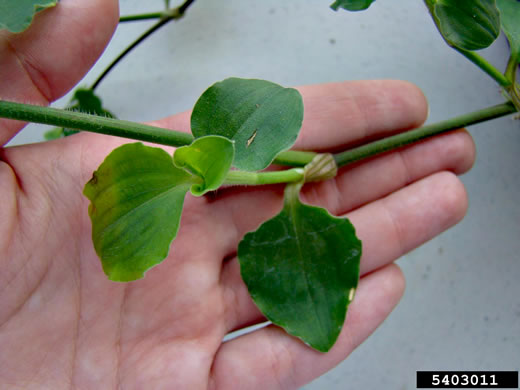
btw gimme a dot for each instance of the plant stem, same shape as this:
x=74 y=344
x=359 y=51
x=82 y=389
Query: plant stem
x=183 y=7
x=261 y=178
x=148 y=16
x=93 y=123
x=294 y=158
x=514 y=89
x=487 y=67
x=137 y=131
x=145 y=35
x=512 y=66
x=402 y=139
x=374 y=148
x=166 y=17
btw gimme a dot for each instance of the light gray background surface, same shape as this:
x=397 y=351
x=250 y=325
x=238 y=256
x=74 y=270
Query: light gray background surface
x=461 y=309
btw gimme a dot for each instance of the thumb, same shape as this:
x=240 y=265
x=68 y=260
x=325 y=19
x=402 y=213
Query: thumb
x=44 y=62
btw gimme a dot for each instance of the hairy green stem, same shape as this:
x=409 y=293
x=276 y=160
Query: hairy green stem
x=406 y=138
x=137 y=131
x=261 y=178
x=92 y=123
x=147 y=16
x=487 y=67
x=120 y=128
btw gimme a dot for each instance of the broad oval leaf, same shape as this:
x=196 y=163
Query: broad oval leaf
x=261 y=117
x=17 y=15
x=510 y=20
x=209 y=158
x=302 y=269
x=136 y=199
x=466 y=24
x=352 y=5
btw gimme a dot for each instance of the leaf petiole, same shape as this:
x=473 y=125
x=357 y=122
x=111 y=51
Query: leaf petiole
x=145 y=16
x=486 y=66
x=514 y=89
x=162 y=22
x=164 y=18
x=511 y=69
x=261 y=178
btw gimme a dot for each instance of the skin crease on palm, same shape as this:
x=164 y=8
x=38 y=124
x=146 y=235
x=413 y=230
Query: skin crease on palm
x=64 y=325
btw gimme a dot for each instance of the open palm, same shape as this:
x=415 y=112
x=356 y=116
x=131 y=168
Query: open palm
x=63 y=324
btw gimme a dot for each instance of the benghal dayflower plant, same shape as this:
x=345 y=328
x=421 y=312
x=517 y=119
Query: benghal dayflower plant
x=302 y=266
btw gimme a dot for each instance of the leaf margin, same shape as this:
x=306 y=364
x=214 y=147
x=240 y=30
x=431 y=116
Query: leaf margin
x=24 y=23
x=352 y=5
x=447 y=29
x=215 y=113
x=291 y=195
x=215 y=168
x=130 y=271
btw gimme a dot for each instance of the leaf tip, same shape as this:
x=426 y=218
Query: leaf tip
x=351 y=5
x=123 y=277
x=334 y=6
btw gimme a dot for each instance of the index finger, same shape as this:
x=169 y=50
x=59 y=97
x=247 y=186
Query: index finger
x=75 y=32
x=340 y=114
x=343 y=114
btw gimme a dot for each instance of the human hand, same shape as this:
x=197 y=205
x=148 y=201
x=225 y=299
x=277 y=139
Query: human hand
x=63 y=324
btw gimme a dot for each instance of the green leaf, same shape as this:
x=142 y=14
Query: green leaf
x=466 y=24
x=302 y=269
x=209 y=158
x=17 y=15
x=510 y=20
x=83 y=100
x=351 y=5
x=262 y=118
x=136 y=198
x=53 y=134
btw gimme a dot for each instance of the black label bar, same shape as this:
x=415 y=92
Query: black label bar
x=467 y=379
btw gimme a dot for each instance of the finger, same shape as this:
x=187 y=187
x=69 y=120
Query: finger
x=348 y=112
x=93 y=148
x=271 y=359
x=407 y=219
x=178 y=122
x=389 y=228
x=343 y=113
x=394 y=105
x=44 y=62
x=340 y=114
x=375 y=178
x=354 y=186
